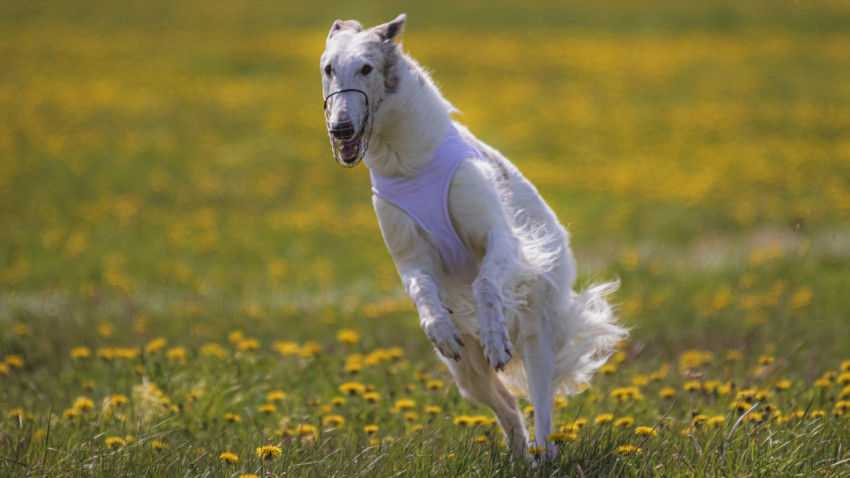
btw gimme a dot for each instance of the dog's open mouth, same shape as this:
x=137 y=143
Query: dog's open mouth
x=349 y=138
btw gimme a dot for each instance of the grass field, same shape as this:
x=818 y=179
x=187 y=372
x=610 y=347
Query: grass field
x=186 y=276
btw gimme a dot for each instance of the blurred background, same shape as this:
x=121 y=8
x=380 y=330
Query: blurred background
x=168 y=161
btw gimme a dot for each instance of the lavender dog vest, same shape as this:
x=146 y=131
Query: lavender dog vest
x=425 y=196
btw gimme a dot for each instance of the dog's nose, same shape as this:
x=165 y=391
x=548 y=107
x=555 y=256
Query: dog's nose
x=343 y=129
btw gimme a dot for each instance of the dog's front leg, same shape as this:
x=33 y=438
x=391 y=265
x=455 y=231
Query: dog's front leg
x=433 y=316
x=502 y=249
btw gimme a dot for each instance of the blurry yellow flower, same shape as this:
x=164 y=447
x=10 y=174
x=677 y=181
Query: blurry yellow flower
x=823 y=383
x=235 y=337
x=434 y=384
x=698 y=420
x=348 y=337
x=844 y=378
x=310 y=349
x=4 y=369
x=692 y=386
x=80 y=352
x=528 y=410
x=607 y=368
x=339 y=401
x=370 y=429
x=248 y=475
x=463 y=420
x=562 y=437
x=481 y=438
x=604 y=418
x=667 y=392
x=228 y=458
x=817 y=414
x=716 y=421
x=176 y=355
x=560 y=402
x=624 y=422
x=645 y=431
x=404 y=404
x=304 y=430
x=628 y=450
x=14 y=360
x=83 y=403
x=741 y=406
x=782 y=385
x=114 y=443
x=213 y=349
x=268 y=452
x=766 y=359
x=432 y=410
x=248 y=345
x=352 y=388
x=411 y=416
x=536 y=450
x=640 y=380
x=625 y=393
x=21 y=329
x=105 y=329
x=232 y=418
x=333 y=420
x=267 y=408
x=276 y=396
x=158 y=445
x=691 y=359
x=845 y=392
x=155 y=345
x=845 y=366
x=353 y=367
x=286 y=348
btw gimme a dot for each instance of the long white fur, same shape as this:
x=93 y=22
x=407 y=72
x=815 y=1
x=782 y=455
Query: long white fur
x=519 y=311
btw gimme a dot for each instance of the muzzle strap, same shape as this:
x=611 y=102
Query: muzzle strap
x=342 y=135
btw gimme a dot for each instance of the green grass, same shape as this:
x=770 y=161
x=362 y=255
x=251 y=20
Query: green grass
x=165 y=173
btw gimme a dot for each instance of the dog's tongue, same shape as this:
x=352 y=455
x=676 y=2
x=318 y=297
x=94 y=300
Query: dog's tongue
x=348 y=150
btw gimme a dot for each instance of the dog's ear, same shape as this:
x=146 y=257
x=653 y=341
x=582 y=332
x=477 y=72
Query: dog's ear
x=344 y=25
x=389 y=31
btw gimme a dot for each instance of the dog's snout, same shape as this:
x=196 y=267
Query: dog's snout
x=343 y=129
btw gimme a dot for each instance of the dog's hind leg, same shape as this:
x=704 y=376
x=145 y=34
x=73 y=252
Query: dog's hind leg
x=539 y=361
x=477 y=380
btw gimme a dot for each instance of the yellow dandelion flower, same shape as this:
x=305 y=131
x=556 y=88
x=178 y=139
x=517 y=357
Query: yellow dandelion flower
x=70 y=414
x=844 y=378
x=248 y=475
x=624 y=422
x=14 y=360
x=432 y=410
x=845 y=392
x=310 y=349
x=716 y=421
x=645 y=431
x=817 y=414
x=404 y=404
x=353 y=367
x=370 y=429
x=845 y=366
x=276 y=396
x=371 y=397
x=176 y=354
x=333 y=420
x=481 y=438
x=115 y=443
x=374 y=442
x=286 y=348
x=417 y=428
x=4 y=369
x=158 y=445
x=155 y=345
x=628 y=450
x=411 y=416
x=640 y=380
x=562 y=437
x=479 y=419
x=248 y=345
x=698 y=420
x=463 y=421
x=766 y=359
x=604 y=418
x=80 y=352
x=118 y=400
x=782 y=385
x=823 y=383
x=536 y=450
x=268 y=452
x=83 y=403
x=692 y=386
x=338 y=401
x=348 y=337
x=560 y=402
x=607 y=369
x=305 y=430
x=667 y=392
x=267 y=408
x=352 y=388
x=434 y=384
x=741 y=405
x=228 y=458
x=21 y=328
x=580 y=423
x=213 y=349
x=232 y=418
x=528 y=410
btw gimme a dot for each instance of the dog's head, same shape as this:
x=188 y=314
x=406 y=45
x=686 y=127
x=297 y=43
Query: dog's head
x=358 y=70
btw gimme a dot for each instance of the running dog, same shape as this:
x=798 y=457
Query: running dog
x=481 y=255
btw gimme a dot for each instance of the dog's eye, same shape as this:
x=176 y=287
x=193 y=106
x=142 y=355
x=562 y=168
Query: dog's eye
x=366 y=69
x=328 y=69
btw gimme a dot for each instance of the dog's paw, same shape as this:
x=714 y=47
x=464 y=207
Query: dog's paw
x=445 y=337
x=497 y=345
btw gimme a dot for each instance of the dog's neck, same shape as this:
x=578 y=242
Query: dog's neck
x=409 y=123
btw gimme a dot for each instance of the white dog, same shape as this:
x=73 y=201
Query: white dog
x=483 y=257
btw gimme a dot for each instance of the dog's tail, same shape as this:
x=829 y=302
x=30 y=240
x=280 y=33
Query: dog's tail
x=584 y=335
